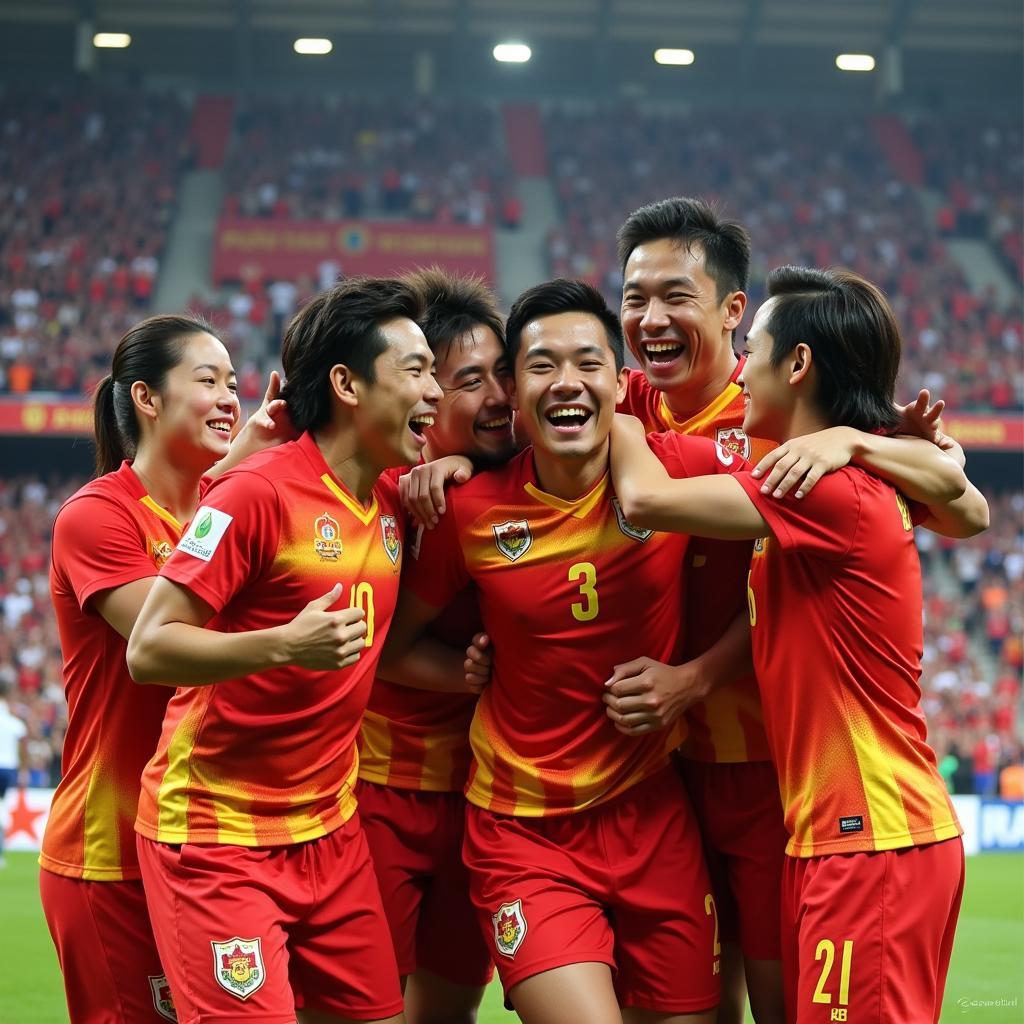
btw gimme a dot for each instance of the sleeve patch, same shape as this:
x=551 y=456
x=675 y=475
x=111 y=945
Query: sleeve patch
x=725 y=456
x=205 y=533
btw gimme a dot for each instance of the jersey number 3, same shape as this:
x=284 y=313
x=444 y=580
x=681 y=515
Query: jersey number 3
x=587 y=609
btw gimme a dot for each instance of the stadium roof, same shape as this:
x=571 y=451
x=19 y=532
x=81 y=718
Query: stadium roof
x=949 y=48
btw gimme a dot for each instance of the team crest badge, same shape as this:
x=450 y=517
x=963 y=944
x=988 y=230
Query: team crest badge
x=513 y=538
x=509 y=928
x=626 y=526
x=389 y=534
x=327 y=538
x=238 y=966
x=161 y=550
x=162 y=1001
x=734 y=440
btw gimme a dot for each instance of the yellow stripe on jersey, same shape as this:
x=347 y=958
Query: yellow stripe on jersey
x=695 y=424
x=580 y=508
x=375 y=737
x=161 y=512
x=889 y=824
x=437 y=754
x=364 y=515
x=171 y=800
x=102 y=810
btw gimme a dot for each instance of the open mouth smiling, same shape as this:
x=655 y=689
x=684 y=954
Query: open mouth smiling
x=568 y=418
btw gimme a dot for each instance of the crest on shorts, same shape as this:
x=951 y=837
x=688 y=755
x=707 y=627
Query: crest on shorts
x=327 y=538
x=238 y=966
x=513 y=538
x=634 y=532
x=162 y=1001
x=734 y=440
x=389 y=534
x=509 y=928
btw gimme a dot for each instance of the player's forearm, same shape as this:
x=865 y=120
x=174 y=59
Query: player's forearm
x=705 y=506
x=917 y=468
x=425 y=664
x=965 y=517
x=178 y=654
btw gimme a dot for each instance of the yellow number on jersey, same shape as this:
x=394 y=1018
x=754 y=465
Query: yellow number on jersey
x=901 y=502
x=584 y=611
x=751 y=603
x=710 y=910
x=827 y=949
x=361 y=596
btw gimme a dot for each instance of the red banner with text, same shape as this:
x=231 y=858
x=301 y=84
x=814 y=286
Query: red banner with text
x=251 y=248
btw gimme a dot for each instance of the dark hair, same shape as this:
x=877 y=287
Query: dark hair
x=341 y=325
x=562 y=296
x=692 y=222
x=454 y=305
x=147 y=353
x=853 y=335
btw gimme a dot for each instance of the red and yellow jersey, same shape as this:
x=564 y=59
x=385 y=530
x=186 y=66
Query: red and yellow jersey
x=568 y=590
x=416 y=739
x=727 y=726
x=835 y=611
x=106 y=535
x=270 y=759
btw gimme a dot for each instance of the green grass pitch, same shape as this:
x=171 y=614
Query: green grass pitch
x=985 y=973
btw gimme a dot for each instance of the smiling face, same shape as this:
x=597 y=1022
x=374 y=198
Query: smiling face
x=566 y=385
x=767 y=395
x=474 y=417
x=197 y=409
x=396 y=410
x=675 y=325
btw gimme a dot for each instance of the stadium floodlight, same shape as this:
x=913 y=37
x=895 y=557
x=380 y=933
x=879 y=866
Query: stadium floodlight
x=111 y=40
x=512 y=53
x=855 y=62
x=679 y=58
x=313 y=46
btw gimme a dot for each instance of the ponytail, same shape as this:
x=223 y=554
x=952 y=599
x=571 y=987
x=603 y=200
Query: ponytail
x=147 y=353
x=110 y=449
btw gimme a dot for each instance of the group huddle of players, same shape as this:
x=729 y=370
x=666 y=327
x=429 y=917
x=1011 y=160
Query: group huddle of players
x=626 y=715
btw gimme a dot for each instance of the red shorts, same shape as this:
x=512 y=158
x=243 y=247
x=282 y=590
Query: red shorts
x=106 y=951
x=867 y=936
x=243 y=933
x=623 y=883
x=740 y=815
x=416 y=842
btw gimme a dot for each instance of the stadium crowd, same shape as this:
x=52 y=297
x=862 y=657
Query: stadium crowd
x=81 y=240
x=331 y=159
x=973 y=633
x=88 y=185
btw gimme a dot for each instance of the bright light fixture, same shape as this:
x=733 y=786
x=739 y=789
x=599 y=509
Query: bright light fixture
x=111 y=40
x=855 y=62
x=315 y=46
x=512 y=53
x=681 y=58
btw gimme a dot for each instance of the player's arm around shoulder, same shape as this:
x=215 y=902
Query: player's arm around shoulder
x=431 y=579
x=706 y=502
x=922 y=462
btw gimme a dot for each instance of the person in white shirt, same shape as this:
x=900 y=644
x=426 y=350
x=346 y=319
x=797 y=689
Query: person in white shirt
x=12 y=733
